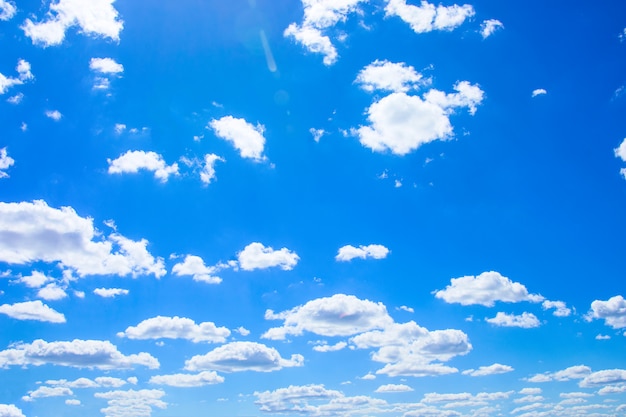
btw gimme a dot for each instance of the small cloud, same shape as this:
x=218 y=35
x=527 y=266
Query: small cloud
x=370 y=376
x=494 y=369
x=105 y=66
x=407 y=309
x=397 y=184
x=539 y=92
x=110 y=292
x=16 y=99
x=242 y=331
x=349 y=252
x=489 y=27
x=5 y=162
x=7 y=10
x=54 y=115
x=392 y=388
x=119 y=128
x=524 y=321
x=317 y=133
x=622 y=35
x=603 y=337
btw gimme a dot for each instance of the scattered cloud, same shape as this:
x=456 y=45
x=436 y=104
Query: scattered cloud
x=603 y=378
x=485 y=289
x=524 y=320
x=603 y=337
x=131 y=403
x=81 y=383
x=7 y=10
x=573 y=372
x=134 y=161
x=72 y=401
x=612 y=311
x=620 y=152
x=188 y=380
x=24 y=74
x=560 y=309
x=54 y=115
x=314 y=41
x=16 y=99
x=52 y=292
x=494 y=369
x=622 y=35
x=539 y=92
x=242 y=356
x=349 y=252
x=32 y=310
x=194 y=266
x=489 y=27
x=35 y=280
x=317 y=133
x=105 y=66
x=5 y=162
x=390 y=76
x=119 y=128
x=44 y=392
x=257 y=256
x=325 y=347
x=208 y=170
x=176 y=328
x=110 y=292
x=427 y=17
x=9 y=410
x=407 y=309
x=96 y=18
x=392 y=388
x=245 y=137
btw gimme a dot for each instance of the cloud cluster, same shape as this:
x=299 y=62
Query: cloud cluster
x=105 y=68
x=390 y=76
x=134 y=161
x=9 y=410
x=161 y=327
x=349 y=252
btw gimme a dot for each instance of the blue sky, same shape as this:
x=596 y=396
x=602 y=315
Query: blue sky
x=312 y=208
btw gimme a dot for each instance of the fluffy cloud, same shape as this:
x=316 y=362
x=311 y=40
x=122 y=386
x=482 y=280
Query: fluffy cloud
x=349 y=252
x=325 y=347
x=573 y=372
x=32 y=232
x=9 y=410
x=44 y=392
x=32 y=310
x=131 y=403
x=52 y=292
x=5 y=162
x=35 y=280
x=81 y=383
x=314 y=41
x=242 y=356
x=188 y=380
x=105 y=66
x=612 y=311
x=489 y=27
x=339 y=315
x=494 y=369
x=7 y=10
x=602 y=378
x=194 y=266
x=245 y=137
x=389 y=76
x=133 y=161
x=539 y=92
x=485 y=289
x=96 y=18
x=524 y=320
x=283 y=399
x=257 y=256
x=77 y=353
x=393 y=388
x=54 y=115
x=208 y=170
x=110 y=292
x=427 y=17
x=560 y=309
x=24 y=74
x=176 y=328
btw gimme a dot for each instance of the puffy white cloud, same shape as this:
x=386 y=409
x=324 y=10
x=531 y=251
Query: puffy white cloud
x=573 y=372
x=339 y=315
x=605 y=377
x=560 y=308
x=96 y=18
x=9 y=410
x=24 y=74
x=23 y=69
x=427 y=17
x=33 y=232
x=489 y=27
x=176 y=328
x=133 y=161
x=467 y=95
x=314 y=41
x=524 y=320
x=7 y=10
x=52 y=292
x=242 y=356
x=257 y=256
x=208 y=170
x=44 y=392
x=34 y=280
x=194 y=266
x=5 y=162
x=54 y=115
x=389 y=76
x=614 y=389
x=324 y=347
x=620 y=151
x=188 y=380
x=105 y=66
x=494 y=369
x=110 y=292
x=245 y=137
x=349 y=252
x=612 y=311
x=485 y=289
x=132 y=403
x=77 y=353
x=539 y=92
x=393 y=388
x=32 y=310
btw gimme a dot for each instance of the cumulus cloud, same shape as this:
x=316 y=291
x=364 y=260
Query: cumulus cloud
x=245 y=137
x=5 y=162
x=524 y=320
x=427 y=17
x=494 y=369
x=325 y=347
x=32 y=310
x=110 y=292
x=257 y=256
x=24 y=74
x=573 y=372
x=489 y=27
x=349 y=252
x=44 y=392
x=35 y=232
x=82 y=383
x=105 y=66
x=208 y=170
x=7 y=10
x=133 y=161
x=96 y=18
x=485 y=289
x=283 y=399
x=612 y=311
x=194 y=266
x=54 y=115
x=602 y=378
x=9 y=410
x=35 y=280
x=339 y=315
x=161 y=327
x=77 y=353
x=131 y=403
x=314 y=41
x=52 y=292
x=560 y=308
x=390 y=388
x=188 y=380
x=539 y=92
x=389 y=76
x=242 y=356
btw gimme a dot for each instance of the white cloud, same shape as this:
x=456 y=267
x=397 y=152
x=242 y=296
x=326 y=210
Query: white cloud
x=485 y=289
x=9 y=410
x=16 y=99
x=614 y=389
x=467 y=95
x=539 y=92
x=620 y=152
x=317 y=133
x=133 y=161
x=560 y=309
x=131 y=403
x=242 y=356
x=24 y=74
x=119 y=128
x=54 y=115
x=245 y=137
x=81 y=383
x=77 y=353
x=283 y=399
x=176 y=328
x=389 y=388
x=605 y=377
x=97 y=18
x=194 y=266
x=389 y=76
x=72 y=402
x=524 y=320
x=44 y=392
x=188 y=380
x=208 y=170
x=35 y=232
x=573 y=372
x=32 y=310
x=5 y=162
x=349 y=252
x=407 y=309
x=110 y=292
x=427 y=17
x=612 y=311
x=324 y=347
x=52 y=292
x=530 y=391
x=34 y=280
x=339 y=315
x=314 y=41
x=489 y=27
x=494 y=369
x=7 y=10
x=257 y=256
x=242 y=331
x=105 y=66
x=23 y=69
x=416 y=369
x=369 y=377
x=603 y=337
